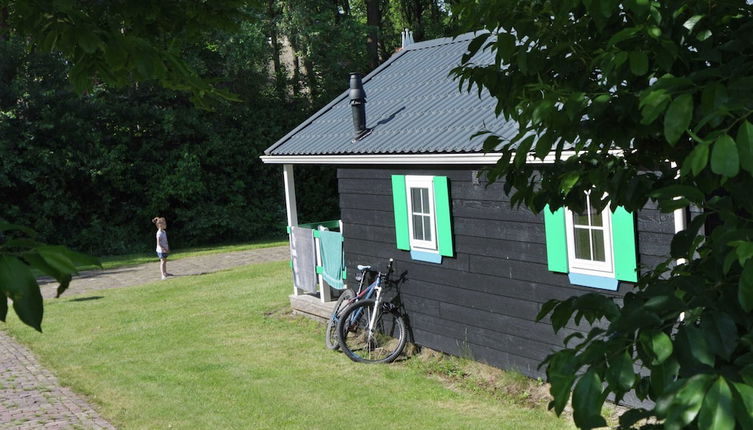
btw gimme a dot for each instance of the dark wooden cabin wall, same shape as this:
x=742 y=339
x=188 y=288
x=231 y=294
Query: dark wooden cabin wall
x=482 y=302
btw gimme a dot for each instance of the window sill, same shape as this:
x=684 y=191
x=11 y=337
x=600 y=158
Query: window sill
x=429 y=257
x=592 y=281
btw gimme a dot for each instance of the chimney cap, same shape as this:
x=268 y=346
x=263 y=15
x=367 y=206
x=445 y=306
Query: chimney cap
x=356 y=87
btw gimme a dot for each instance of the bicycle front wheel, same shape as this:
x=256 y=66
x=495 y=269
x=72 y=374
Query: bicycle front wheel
x=330 y=337
x=382 y=344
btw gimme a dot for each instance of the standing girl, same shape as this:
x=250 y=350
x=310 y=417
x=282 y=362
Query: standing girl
x=162 y=247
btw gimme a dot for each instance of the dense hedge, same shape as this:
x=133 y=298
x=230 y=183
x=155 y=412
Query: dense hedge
x=91 y=171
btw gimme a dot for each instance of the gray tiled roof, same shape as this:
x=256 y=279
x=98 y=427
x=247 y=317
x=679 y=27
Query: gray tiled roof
x=413 y=106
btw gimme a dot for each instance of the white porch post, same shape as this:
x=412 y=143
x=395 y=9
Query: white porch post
x=324 y=294
x=681 y=222
x=290 y=203
x=680 y=225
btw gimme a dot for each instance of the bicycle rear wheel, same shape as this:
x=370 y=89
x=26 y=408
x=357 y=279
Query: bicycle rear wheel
x=330 y=337
x=383 y=344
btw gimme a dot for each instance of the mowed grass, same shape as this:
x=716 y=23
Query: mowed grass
x=113 y=261
x=220 y=351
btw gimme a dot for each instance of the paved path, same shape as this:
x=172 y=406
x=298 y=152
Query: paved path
x=32 y=398
x=144 y=273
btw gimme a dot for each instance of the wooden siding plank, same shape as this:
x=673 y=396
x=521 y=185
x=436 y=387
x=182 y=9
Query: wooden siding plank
x=511 y=269
x=491 y=356
x=501 y=248
x=468 y=334
x=654 y=244
x=459 y=173
x=386 y=250
x=492 y=210
x=517 y=231
x=368 y=217
x=473 y=299
x=540 y=331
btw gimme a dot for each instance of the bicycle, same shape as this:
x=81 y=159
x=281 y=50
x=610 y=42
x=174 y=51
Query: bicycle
x=347 y=298
x=372 y=330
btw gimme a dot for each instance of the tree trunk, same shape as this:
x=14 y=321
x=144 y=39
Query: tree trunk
x=274 y=40
x=296 y=75
x=346 y=7
x=4 y=27
x=308 y=67
x=373 y=21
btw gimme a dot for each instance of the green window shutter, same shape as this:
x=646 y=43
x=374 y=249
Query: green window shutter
x=556 y=240
x=444 y=222
x=400 y=202
x=623 y=242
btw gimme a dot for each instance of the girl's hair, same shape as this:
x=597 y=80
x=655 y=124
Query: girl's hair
x=159 y=221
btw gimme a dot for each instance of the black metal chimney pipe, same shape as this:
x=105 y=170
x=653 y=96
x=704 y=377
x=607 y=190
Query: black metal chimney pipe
x=358 y=106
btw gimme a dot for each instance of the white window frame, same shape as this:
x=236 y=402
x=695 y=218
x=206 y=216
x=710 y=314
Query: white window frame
x=416 y=181
x=590 y=267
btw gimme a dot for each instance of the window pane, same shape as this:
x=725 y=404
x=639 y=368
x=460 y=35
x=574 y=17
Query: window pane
x=582 y=244
x=425 y=200
x=415 y=194
x=427 y=228
x=595 y=216
x=597 y=237
x=418 y=230
x=580 y=219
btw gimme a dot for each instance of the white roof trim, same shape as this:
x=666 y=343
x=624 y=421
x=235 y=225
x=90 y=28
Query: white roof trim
x=474 y=158
x=439 y=159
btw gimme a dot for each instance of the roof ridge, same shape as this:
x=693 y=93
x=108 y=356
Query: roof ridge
x=444 y=40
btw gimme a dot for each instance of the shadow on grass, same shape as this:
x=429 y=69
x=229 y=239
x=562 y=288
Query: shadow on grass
x=86 y=299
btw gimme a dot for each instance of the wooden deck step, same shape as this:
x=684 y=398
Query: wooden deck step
x=311 y=306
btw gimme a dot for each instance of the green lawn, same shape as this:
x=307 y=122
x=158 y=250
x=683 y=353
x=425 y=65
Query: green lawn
x=220 y=351
x=113 y=261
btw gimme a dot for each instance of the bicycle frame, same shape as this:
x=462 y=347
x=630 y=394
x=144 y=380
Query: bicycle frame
x=377 y=287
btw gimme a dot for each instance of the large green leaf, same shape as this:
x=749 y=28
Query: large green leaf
x=588 y=398
x=745 y=146
x=658 y=344
x=697 y=160
x=720 y=331
x=743 y=404
x=693 y=345
x=745 y=287
x=652 y=104
x=747 y=374
x=692 y=21
x=680 y=404
x=662 y=376
x=17 y=282
x=725 y=160
x=670 y=192
x=6 y=226
x=716 y=412
x=560 y=374
x=638 y=63
x=620 y=374
x=678 y=117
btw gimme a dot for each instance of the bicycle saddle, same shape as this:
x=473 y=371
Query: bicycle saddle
x=359 y=267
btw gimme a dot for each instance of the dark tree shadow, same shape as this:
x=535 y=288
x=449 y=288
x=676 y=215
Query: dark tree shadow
x=86 y=299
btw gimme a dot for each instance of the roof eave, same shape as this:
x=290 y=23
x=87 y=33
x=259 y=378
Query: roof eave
x=476 y=158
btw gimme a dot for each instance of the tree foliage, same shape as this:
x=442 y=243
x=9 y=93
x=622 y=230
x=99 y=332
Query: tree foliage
x=670 y=86
x=119 y=43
